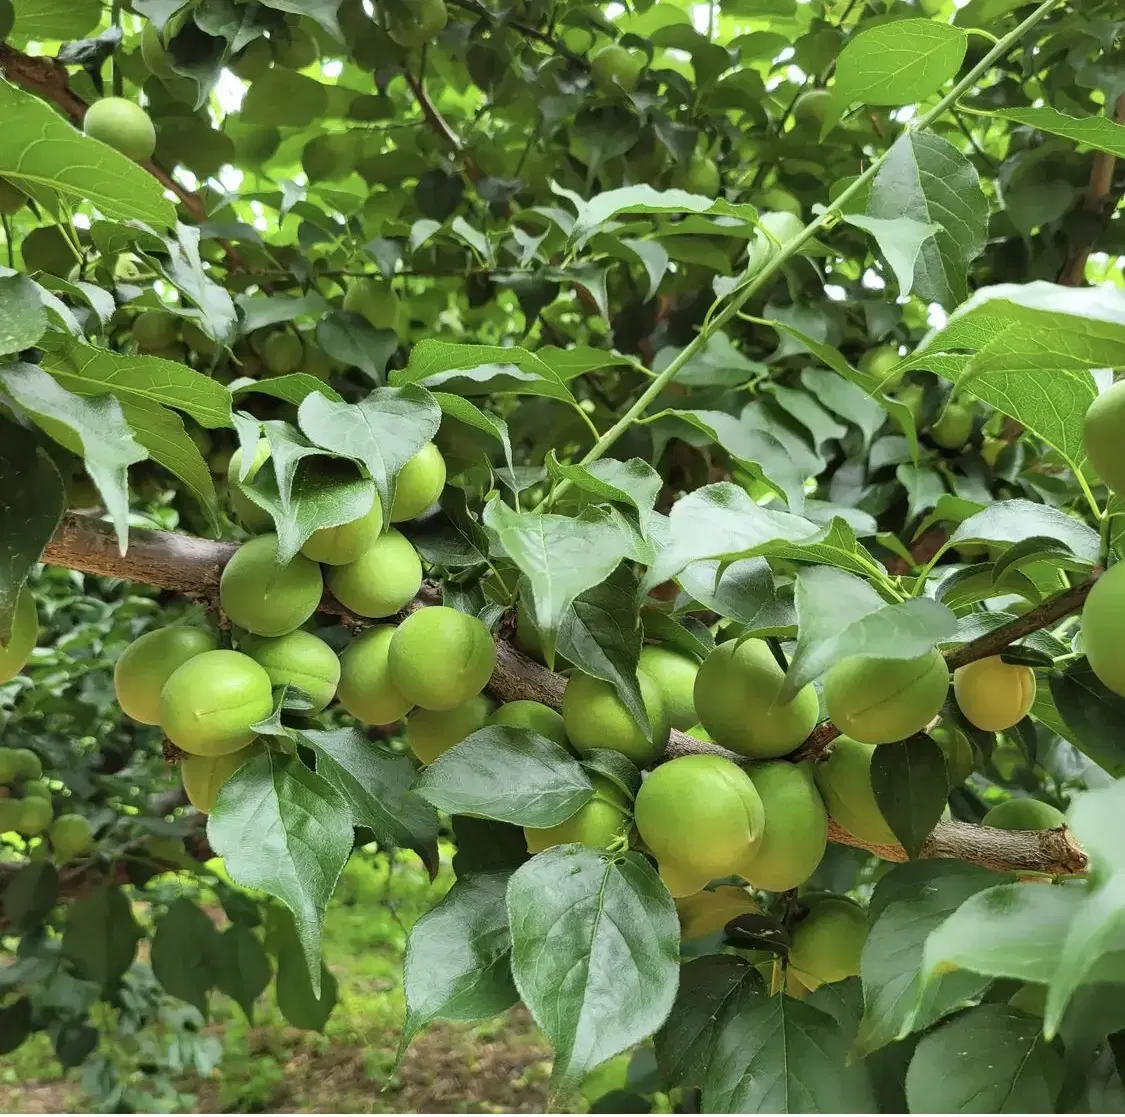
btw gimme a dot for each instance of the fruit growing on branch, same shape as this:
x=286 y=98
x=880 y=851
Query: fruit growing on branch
x=440 y=658
x=992 y=694
x=122 y=125
x=881 y=700
x=827 y=943
x=149 y=661
x=596 y=717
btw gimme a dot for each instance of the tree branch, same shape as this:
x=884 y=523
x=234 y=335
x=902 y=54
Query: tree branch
x=524 y=29
x=440 y=125
x=188 y=565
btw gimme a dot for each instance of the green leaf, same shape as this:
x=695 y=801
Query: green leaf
x=457 y=957
x=896 y=63
x=509 y=775
x=1098 y=132
x=32 y=503
x=268 y=310
x=287 y=831
x=323 y=11
x=583 y=922
x=15 y=1024
x=742 y=591
x=182 y=265
x=30 y=895
x=840 y=615
x=306 y=997
x=56 y=19
x=383 y=431
x=281 y=98
x=633 y=482
x=376 y=784
x=94 y=428
x=1013 y=521
x=23 y=321
x=1093 y=715
x=1010 y=1069
x=910 y=784
x=100 y=937
x=41 y=149
x=900 y=239
x=908 y=903
x=184 y=951
x=292 y=388
x=352 y=340
x=927 y=180
x=748 y=1052
x=560 y=556
x=465 y=411
x=242 y=967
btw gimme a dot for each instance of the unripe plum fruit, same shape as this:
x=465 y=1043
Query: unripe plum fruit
x=700 y=176
x=526 y=714
x=295 y=48
x=810 y=107
x=17 y=649
x=674 y=673
x=1103 y=616
x=736 y=698
x=796 y=830
x=702 y=818
x=844 y=780
x=38 y=788
x=419 y=484
x=281 y=352
x=878 y=363
x=827 y=944
x=147 y=664
x=209 y=703
x=913 y=397
x=1101 y=436
x=958 y=750
x=253 y=60
x=707 y=912
x=1024 y=814
x=596 y=718
x=992 y=694
x=440 y=657
x=385 y=577
x=953 y=428
x=881 y=700
x=337 y=546
x=781 y=225
x=35 y=816
x=249 y=514
x=203 y=776
x=598 y=824
x=432 y=732
x=375 y=301
x=28 y=764
x=122 y=125
x=616 y=67
x=154 y=330
x=265 y=597
x=426 y=19
x=71 y=835
x=365 y=689
x=298 y=659
x=11 y=814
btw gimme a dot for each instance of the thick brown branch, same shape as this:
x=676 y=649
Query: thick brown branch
x=189 y=565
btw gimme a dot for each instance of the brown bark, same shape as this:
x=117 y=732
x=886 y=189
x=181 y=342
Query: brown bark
x=193 y=566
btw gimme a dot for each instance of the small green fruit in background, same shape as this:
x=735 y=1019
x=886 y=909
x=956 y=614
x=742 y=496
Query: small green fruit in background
x=425 y=20
x=702 y=818
x=810 y=106
x=844 y=781
x=700 y=176
x=597 y=824
x=796 y=830
x=147 y=664
x=154 y=330
x=433 y=732
x=9 y=766
x=878 y=363
x=294 y=48
x=781 y=225
x=208 y=704
x=953 y=428
x=882 y=700
x=375 y=300
x=674 y=673
x=154 y=55
x=71 y=836
x=958 y=750
x=204 y=776
x=298 y=659
x=1101 y=436
x=28 y=764
x=826 y=944
x=365 y=689
x=11 y=815
x=992 y=694
x=1102 y=618
x=282 y=352
x=338 y=546
x=17 y=649
x=1024 y=814
x=708 y=912
x=596 y=718
x=699 y=733
x=122 y=125
x=419 y=484
x=913 y=398
x=440 y=658
x=249 y=514
x=736 y=698
x=37 y=788
x=265 y=597
x=12 y=198
x=615 y=67
x=384 y=579
x=35 y=816
x=535 y=716
x=253 y=60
